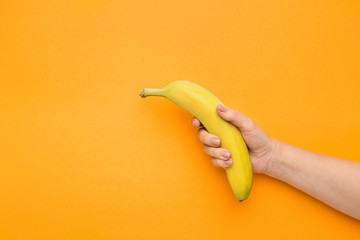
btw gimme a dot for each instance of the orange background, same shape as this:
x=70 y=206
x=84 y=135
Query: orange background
x=82 y=156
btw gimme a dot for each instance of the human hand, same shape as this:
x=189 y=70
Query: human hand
x=260 y=145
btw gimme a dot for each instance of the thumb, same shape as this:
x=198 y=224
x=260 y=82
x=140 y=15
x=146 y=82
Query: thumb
x=238 y=119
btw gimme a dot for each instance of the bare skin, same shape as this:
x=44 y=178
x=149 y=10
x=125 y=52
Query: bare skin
x=334 y=181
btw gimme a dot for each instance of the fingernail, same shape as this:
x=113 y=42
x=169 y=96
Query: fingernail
x=229 y=162
x=216 y=141
x=226 y=154
x=221 y=108
x=193 y=122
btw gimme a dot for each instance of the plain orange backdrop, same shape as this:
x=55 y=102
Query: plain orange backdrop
x=82 y=156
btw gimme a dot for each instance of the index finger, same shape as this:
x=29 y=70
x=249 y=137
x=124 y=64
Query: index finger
x=196 y=123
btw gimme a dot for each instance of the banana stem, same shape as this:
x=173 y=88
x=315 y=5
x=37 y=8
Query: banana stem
x=151 y=92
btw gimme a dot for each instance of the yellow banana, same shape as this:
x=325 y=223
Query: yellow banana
x=202 y=104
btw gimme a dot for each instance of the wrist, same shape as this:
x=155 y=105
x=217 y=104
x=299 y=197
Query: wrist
x=274 y=157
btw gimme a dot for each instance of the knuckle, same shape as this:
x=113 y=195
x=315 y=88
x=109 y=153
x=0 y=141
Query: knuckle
x=249 y=125
x=196 y=122
x=219 y=153
x=235 y=114
x=225 y=154
x=232 y=114
x=201 y=133
x=193 y=122
x=206 y=149
x=207 y=139
x=222 y=164
x=215 y=142
x=209 y=150
x=217 y=162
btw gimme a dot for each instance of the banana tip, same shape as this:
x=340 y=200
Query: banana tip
x=142 y=93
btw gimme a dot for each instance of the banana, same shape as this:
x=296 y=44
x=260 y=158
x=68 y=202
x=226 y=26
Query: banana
x=202 y=104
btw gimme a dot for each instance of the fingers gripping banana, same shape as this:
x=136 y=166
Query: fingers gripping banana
x=202 y=104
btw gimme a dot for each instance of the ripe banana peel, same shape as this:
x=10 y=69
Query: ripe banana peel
x=202 y=104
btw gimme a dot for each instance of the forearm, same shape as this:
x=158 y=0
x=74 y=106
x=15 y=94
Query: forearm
x=333 y=181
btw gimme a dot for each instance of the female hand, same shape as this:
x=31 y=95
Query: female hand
x=316 y=174
x=260 y=145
